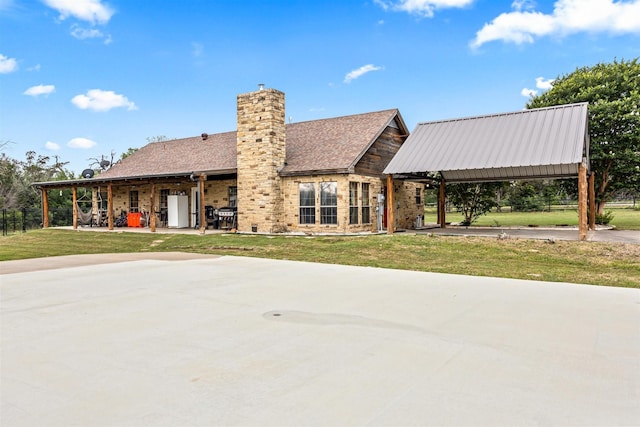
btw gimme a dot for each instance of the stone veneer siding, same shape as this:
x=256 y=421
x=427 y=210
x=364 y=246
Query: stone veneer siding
x=404 y=198
x=261 y=154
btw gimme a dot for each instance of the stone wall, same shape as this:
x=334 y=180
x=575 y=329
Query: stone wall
x=261 y=154
x=404 y=197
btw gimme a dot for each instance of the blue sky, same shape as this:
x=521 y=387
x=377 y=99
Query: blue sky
x=82 y=78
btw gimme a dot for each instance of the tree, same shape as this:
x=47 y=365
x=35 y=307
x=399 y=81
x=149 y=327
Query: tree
x=473 y=200
x=17 y=176
x=127 y=153
x=613 y=93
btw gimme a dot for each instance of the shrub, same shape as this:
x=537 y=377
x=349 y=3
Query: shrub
x=604 y=218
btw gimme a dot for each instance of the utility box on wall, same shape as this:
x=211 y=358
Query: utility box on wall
x=177 y=211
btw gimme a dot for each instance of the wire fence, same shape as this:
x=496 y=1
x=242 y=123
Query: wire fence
x=22 y=220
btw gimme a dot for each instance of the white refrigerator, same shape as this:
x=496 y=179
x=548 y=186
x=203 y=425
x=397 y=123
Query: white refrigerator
x=177 y=211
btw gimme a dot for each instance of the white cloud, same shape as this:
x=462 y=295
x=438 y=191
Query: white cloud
x=102 y=100
x=541 y=83
x=352 y=75
x=422 y=8
x=52 y=146
x=34 y=68
x=40 y=90
x=82 y=143
x=89 y=33
x=92 y=11
x=523 y=5
x=85 y=33
x=523 y=24
x=8 y=65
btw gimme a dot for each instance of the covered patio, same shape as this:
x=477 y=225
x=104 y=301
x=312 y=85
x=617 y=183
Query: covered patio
x=544 y=143
x=150 y=212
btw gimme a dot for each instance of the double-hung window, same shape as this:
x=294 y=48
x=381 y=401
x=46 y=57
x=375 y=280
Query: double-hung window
x=328 y=203
x=307 y=194
x=353 y=203
x=366 y=208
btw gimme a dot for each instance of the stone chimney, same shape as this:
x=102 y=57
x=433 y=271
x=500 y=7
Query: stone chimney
x=261 y=154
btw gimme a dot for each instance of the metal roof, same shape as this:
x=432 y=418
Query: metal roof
x=539 y=143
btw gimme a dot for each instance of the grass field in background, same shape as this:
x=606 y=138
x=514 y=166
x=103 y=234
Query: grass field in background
x=597 y=263
x=623 y=219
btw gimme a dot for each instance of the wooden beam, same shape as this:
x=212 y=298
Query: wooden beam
x=442 y=220
x=203 y=220
x=390 y=213
x=110 y=205
x=74 y=197
x=152 y=209
x=592 y=201
x=45 y=208
x=582 y=202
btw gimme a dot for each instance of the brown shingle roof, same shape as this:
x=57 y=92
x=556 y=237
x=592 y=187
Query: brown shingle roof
x=334 y=144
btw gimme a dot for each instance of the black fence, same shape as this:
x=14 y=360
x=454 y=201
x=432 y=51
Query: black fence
x=22 y=220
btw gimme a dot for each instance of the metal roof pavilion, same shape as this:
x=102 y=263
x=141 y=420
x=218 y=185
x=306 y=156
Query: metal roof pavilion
x=540 y=143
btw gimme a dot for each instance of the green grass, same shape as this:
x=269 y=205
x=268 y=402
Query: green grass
x=576 y=262
x=623 y=219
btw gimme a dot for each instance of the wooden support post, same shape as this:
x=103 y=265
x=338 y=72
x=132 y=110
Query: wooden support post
x=582 y=202
x=390 y=211
x=152 y=209
x=110 y=205
x=74 y=197
x=203 y=216
x=45 y=208
x=442 y=217
x=592 y=201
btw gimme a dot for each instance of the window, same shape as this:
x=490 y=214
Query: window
x=233 y=197
x=328 y=203
x=353 y=203
x=366 y=208
x=307 y=192
x=133 y=201
x=418 y=196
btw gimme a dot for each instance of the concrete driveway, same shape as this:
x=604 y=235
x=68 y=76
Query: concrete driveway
x=213 y=341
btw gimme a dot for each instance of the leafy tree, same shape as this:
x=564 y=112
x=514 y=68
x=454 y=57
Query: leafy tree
x=17 y=176
x=473 y=200
x=613 y=93
x=127 y=153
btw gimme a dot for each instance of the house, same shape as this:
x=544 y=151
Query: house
x=320 y=176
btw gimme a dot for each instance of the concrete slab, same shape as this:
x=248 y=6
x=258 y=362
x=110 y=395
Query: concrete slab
x=242 y=341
